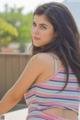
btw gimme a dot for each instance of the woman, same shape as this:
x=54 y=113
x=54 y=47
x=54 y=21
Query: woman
x=51 y=79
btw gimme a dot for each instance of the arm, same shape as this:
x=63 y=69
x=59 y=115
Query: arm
x=33 y=69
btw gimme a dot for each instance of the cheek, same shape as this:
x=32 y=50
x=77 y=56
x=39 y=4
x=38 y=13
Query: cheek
x=48 y=35
x=46 y=39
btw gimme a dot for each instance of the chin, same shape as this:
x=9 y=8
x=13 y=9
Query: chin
x=36 y=45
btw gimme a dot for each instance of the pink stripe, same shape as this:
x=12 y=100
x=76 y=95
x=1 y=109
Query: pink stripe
x=56 y=87
x=55 y=95
x=62 y=78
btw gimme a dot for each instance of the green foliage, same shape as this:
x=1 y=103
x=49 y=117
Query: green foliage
x=25 y=28
x=7 y=27
x=21 y=22
x=7 y=31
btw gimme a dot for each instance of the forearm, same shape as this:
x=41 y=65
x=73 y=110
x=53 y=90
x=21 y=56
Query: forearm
x=7 y=102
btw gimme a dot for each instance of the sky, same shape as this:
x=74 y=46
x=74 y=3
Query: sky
x=27 y=4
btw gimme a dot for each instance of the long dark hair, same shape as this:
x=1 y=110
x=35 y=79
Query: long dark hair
x=66 y=45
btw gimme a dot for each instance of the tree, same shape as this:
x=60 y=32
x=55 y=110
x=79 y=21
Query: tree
x=7 y=32
x=21 y=22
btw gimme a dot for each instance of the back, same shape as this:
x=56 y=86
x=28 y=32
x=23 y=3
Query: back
x=46 y=94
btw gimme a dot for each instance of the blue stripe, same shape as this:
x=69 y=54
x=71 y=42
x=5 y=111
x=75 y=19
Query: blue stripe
x=55 y=89
x=62 y=81
x=58 y=98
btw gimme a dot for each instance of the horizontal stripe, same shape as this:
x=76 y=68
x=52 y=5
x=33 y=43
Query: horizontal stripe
x=58 y=98
x=35 y=93
x=47 y=94
x=46 y=88
x=62 y=81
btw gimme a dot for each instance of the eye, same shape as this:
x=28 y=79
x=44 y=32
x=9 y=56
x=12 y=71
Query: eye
x=34 y=24
x=42 y=27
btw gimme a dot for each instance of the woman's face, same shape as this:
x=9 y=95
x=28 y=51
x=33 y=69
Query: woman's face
x=42 y=31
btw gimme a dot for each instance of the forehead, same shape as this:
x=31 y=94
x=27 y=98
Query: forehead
x=41 y=19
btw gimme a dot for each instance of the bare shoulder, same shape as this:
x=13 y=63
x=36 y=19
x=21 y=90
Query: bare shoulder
x=38 y=58
x=41 y=57
x=44 y=59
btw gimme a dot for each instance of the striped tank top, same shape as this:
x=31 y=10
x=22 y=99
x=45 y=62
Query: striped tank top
x=47 y=94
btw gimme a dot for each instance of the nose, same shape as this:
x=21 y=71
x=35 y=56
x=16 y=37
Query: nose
x=35 y=30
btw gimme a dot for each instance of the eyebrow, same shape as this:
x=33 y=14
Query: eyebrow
x=42 y=24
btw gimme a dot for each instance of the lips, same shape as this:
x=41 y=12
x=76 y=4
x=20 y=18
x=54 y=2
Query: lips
x=36 y=38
